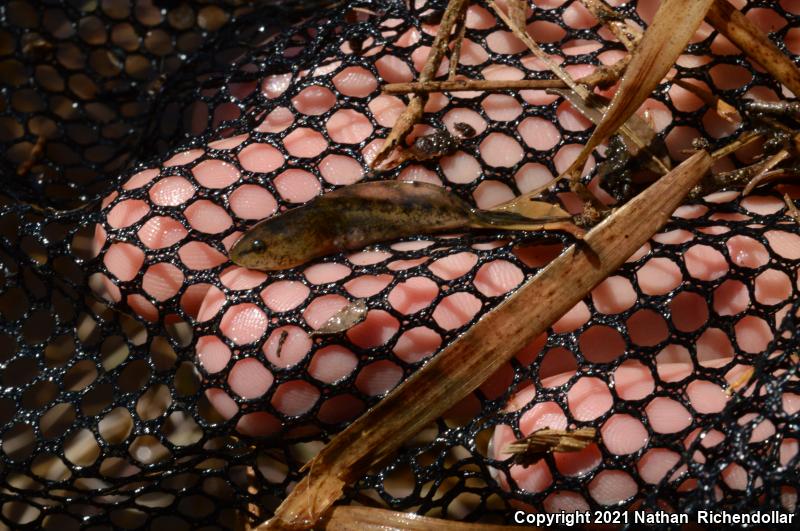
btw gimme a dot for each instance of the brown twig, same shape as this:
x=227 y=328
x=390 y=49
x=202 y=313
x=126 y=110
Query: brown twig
x=602 y=77
x=467 y=361
x=416 y=103
x=672 y=27
x=522 y=34
x=582 y=92
x=743 y=140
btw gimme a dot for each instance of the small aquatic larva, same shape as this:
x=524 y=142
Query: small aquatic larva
x=362 y=214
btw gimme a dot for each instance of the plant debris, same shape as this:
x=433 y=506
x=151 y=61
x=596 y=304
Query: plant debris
x=343 y=320
x=281 y=341
x=724 y=110
x=741 y=381
x=531 y=449
x=348 y=517
x=639 y=137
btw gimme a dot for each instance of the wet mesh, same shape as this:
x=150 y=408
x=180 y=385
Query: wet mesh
x=105 y=407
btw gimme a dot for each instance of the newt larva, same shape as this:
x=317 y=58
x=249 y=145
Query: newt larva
x=360 y=215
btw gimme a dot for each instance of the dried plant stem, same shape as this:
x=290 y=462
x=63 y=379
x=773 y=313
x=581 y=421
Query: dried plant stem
x=771 y=176
x=673 y=25
x=755 y=43
x=467 y=361
x=601 y=77
x=416 y=103
x=630 y=36
x=522 y=34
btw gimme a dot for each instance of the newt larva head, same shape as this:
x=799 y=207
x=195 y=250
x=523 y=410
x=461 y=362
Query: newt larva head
x=249 y=251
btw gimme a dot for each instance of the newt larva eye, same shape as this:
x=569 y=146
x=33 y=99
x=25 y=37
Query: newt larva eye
x=258 y=246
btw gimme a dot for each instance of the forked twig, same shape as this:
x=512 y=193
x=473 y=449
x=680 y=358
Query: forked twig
x=416 y=103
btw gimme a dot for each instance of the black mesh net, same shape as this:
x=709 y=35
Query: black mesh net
x=148 y=382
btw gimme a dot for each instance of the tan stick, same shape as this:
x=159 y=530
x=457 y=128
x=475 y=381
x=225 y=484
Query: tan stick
x=466 y=362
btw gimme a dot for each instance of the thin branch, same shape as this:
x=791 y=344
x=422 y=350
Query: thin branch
x=603 y=77
x=627 y=34
x=673 y=25
x=745 y=139
x=522 y=35
x=581 y=91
